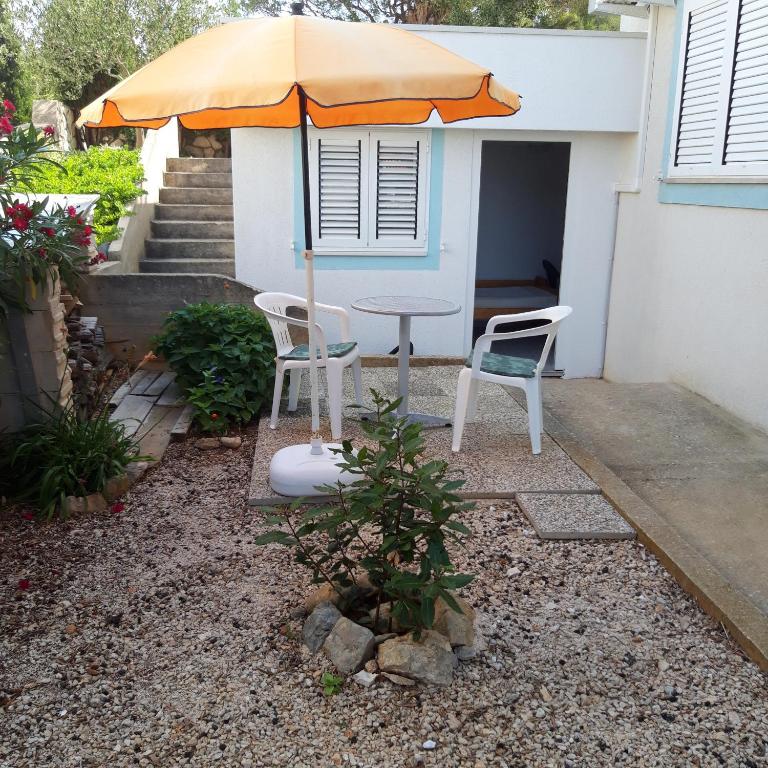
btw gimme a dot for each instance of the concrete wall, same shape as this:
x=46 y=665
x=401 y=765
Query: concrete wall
x=132 y=308
x=33 y=358
x=125 y=253
x=688 y=302
x=569 y=80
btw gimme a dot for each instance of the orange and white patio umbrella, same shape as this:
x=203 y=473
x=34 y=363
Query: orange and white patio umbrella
x=277 y=72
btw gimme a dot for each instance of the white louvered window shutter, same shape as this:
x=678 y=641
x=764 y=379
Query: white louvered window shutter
x=369 y=191
x=339 y=180
x=746 y=138
x=398 y=189
x=704 y=83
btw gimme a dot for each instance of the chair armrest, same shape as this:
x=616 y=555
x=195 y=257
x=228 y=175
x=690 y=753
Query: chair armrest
x=341 y=313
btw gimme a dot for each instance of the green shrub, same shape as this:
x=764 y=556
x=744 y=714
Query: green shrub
x=115 y=174
x=223 y=355
x=392 y=524
x=63 y=455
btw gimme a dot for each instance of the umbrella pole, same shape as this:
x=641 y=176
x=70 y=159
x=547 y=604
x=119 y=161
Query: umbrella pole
x=310 y=273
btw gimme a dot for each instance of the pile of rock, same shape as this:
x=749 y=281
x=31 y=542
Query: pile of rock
x=205 y=144
x=383 y=648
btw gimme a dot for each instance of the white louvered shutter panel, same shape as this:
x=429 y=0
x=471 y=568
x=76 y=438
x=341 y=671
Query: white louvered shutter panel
x=746 y=138
x=398 y=191
x=339 y=178
x=703 y=84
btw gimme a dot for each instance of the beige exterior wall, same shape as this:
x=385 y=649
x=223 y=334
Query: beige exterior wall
x=689 y=297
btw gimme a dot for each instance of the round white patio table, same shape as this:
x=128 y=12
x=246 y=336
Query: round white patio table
x=406 y=307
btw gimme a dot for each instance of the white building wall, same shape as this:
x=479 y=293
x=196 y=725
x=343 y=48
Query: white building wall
x=688 y=300
x=578 y=87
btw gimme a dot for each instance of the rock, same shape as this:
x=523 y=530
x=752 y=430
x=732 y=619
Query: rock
x=209 y=152
x=383 y=625
x=459 y=628
x=371 y=666
x=325 y=593
x=207 y=443
x=135 y=470
x=215 y=143
x=193 y=150
x=349 y=646
x=366 y=679
x=319 y=625
x=231 y=442
x=201 y=141
x=428 y=660
x=465 y=652
x=398 y=679
x=116 y=486
x=94 y=502
x=428 y=744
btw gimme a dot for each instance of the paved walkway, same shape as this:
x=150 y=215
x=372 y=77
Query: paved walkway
x=703 y=471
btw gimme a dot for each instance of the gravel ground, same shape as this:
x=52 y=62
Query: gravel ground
x=162 y=636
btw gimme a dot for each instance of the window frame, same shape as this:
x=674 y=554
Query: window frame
x=369 y=245
x=716 y=171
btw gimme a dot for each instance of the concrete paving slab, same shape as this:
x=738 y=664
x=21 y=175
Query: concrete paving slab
x=573 y=516
x=495 y=460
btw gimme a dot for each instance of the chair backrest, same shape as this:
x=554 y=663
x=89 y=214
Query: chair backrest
x=275 y=308
x=554 y=316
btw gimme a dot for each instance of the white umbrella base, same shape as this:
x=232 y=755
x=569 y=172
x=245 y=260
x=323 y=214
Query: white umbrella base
x=296 y=471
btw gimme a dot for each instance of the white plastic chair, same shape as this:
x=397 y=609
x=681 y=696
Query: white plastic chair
x=295 y=359
x=521 y=372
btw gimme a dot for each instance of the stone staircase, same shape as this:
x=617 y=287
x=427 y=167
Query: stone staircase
x=193 y=226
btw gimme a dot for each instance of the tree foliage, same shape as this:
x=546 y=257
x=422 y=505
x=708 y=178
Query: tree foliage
x=14 y=83
x=554 y=14
x=84 y=46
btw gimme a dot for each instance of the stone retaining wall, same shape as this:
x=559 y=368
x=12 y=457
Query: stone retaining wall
x=132 y=308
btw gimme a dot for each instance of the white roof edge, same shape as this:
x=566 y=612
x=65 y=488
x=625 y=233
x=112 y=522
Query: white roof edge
x=519 y=31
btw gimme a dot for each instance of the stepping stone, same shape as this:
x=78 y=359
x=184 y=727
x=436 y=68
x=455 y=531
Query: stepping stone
x=573 y=516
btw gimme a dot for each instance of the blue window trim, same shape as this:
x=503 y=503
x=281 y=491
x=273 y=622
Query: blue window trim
x=435 y=214
x=731 y=195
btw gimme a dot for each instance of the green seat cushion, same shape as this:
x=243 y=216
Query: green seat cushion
x=506 y=365
x=334 y=350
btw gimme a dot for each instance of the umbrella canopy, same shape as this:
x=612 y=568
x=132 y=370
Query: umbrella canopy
x=252 y=72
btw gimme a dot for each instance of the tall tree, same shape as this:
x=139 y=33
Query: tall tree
x=85 y=46
x=14 y=81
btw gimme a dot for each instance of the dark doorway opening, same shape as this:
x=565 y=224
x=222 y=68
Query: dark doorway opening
x=523 y=192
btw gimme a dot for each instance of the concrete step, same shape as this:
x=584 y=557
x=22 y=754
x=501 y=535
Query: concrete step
x=189 y=249
x=194 y=230
x=193 y=212
x=196 y=196
x=199 y=164
x=184 y=179
x=194 y=266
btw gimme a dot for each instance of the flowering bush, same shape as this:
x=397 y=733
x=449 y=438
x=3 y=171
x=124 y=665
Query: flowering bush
x=36 y=239
x=223 y=355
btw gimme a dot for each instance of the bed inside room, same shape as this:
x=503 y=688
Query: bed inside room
x=521 y=221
